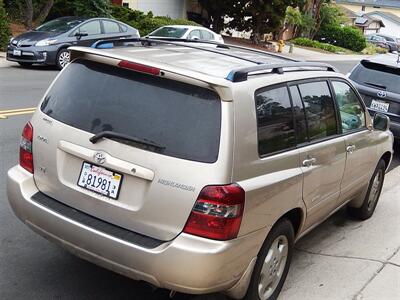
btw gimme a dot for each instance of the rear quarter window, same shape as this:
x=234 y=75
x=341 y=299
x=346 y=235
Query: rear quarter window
x=183 y=118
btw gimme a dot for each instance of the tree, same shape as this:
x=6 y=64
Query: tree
x=260 y=16
x=216 y=12
x=4 y=27
x=34 y=13
x=92 y=8
x=293 y=18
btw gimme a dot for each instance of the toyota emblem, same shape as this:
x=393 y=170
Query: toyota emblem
x=381 y=94
x=100 y=158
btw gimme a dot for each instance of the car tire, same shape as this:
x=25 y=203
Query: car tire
x=25 y=64
x=373 y=193
x=63 y=58
x=273 y=263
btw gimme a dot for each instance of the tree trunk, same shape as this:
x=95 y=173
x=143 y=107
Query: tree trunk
x=28 y=14
x=44 y=12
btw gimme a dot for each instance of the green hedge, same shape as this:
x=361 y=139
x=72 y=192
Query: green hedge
x=346 y=37
x=315 y=44
x=4 y=27
x=145 y=23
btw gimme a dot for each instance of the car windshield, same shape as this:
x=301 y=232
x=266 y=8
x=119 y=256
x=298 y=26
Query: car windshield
x=172 y=32
x=165 y=116
x=373 y=74
x=59 y=25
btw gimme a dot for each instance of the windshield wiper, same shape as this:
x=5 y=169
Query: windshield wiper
x=376 y=85
x=120 y=136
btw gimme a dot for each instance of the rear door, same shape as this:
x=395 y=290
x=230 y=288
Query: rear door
x=360 y=152
x=322 y=149
x=93 y=31
x=158 y=177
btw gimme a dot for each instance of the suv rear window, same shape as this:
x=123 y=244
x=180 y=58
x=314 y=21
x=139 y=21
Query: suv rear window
x=377 y=75
x=182 y=118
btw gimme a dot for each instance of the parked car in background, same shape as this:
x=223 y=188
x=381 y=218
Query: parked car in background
x=378 y=41
x=392 y=41
x=378 y=81
x=48 y=44
x=196 y=170
x=186 y=32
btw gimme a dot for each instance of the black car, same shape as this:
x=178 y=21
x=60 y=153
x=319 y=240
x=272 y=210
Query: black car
x=378 y=81
x=48 y=43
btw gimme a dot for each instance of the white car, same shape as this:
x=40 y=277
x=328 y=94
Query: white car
x=186 y=32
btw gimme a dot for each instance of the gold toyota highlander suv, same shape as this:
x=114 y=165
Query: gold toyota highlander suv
x=195 y=167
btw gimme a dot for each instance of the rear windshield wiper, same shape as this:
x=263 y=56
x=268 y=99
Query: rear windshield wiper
x=376 y=85
x=120 y=136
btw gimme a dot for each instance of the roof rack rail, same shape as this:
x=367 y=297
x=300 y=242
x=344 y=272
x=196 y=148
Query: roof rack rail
x=179 y=42
x=241 y=74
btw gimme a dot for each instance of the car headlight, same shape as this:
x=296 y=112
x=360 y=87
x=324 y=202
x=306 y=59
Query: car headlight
x=46 y=42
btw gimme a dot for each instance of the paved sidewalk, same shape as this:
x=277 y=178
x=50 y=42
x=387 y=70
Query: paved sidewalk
x=348 y=259
x=306 y=54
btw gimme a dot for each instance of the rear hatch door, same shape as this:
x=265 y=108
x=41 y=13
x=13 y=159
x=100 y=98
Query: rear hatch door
x=159 y=146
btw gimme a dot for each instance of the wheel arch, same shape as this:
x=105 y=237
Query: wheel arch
x=387 y=158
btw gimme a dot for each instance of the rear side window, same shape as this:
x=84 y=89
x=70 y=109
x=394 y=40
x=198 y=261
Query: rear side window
x=377 y=76
x=184 y=119
x=274 y=120
x=110 y=27
x=206 y=35
x=351 y=111
x=320 y=111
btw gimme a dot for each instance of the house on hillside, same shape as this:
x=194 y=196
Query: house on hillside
x=175 y=9
x=391 y=21
x=367 y=23
x=367 y=6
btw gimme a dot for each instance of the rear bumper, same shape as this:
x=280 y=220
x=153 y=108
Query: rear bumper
x=186 y=264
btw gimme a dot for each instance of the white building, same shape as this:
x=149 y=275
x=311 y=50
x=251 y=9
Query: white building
x=391 y=21
x=172 y=8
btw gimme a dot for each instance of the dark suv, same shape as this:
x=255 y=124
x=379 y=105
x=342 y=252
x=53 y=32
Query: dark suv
x=377 y=79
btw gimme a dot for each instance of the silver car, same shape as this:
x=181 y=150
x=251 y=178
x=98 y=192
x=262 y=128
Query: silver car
x=195 y=169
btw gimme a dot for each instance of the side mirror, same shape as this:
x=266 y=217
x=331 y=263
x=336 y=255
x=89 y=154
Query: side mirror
x=381 y=122
x=195 y=38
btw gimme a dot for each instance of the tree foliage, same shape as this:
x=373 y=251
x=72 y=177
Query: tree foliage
x=259 y=16
x=4 y=27
x=143 y=22
x=92 y=8
x=215 y=13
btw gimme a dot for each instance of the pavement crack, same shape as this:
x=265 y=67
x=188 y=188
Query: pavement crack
x=341 y=256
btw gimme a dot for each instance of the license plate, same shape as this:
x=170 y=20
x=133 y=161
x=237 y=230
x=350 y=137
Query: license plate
x=17 y=52
x=379 y=105
x=100 y=180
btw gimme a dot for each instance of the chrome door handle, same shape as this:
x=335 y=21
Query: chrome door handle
x=350 y=148
x=309 y=162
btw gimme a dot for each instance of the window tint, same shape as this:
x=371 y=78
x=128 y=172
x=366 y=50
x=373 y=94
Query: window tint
x=377 y=76
x=299 y=116
x=351 y=112
x=206 y=35
x=166 y=31
x=59 y=25
x=319 y=109
x=194 y=33
x=91 y=28
x=182 y=118
x=123 y=27
x=274 y=120
x=110 y=27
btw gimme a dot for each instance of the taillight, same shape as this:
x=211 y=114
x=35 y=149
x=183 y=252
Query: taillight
x=139 y=67
x=25 y=148
x=217 y=213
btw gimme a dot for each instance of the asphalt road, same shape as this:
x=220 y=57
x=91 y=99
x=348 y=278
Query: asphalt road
x=31 y=267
